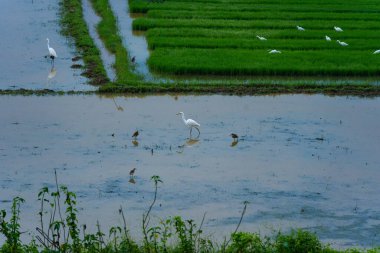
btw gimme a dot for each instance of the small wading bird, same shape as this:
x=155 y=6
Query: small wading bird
x=135 y=134
x=377 y=52
x=344 y=44
x=274 y=51
x=300 y=28
x=234 y=136
x=190 y=123
x=328 y=38
x=261 y=38
x=338 y=29
x=132 y=172
x=133 y=60
x=52 y=53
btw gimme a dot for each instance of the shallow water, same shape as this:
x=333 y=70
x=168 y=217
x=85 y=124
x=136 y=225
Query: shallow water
x=23 y=45
x=301 y=161
x=135 y=43
x=92 y=20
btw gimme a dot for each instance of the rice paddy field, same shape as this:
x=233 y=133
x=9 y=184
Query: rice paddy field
x=219 y=37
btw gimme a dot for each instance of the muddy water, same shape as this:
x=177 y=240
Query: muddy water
x=26 y=25
x=301 y=161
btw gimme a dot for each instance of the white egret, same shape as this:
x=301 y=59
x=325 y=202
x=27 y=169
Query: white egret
x=52 y=53
x=328 y=38
x=338 y=29
x=261 y=38
x=377 y=52
x=300 y=28
x=190 y=123
x=274 y=51
x=344 y=44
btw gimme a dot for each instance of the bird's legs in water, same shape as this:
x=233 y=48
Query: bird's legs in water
x=191 y=129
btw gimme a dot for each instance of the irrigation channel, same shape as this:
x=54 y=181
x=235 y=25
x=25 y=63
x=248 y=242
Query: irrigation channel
x=301 y=161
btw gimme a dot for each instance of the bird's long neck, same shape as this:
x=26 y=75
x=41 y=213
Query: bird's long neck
x=183 y=118
x=48 y=43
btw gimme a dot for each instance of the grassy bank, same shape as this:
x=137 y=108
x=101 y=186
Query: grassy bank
x=108 y=32
x=75 y=27
x=62 y=232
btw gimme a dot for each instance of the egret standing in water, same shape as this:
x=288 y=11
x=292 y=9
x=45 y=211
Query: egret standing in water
x=190 y=123
x=52 y=53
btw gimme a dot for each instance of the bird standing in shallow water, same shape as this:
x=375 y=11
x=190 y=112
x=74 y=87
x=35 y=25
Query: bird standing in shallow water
x=133 y=60
x=135 y=134
x=52 y=53
x=132 y=172
x=190 y=123
x=234 y=136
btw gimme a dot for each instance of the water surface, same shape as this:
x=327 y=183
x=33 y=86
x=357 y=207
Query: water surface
x=301 y=161
x=23 y=47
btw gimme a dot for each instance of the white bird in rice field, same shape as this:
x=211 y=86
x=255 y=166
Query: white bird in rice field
x=190 y=123
x=274 y=51
x=261 y=38
x=344 y=44
x=338 y=29
x=377 y=52
x=328 y=38
x=300 y=28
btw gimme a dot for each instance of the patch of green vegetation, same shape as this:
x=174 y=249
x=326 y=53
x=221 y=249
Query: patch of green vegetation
x=62 y=232
x=75 y=27
x=108 y=32
x=219 y=37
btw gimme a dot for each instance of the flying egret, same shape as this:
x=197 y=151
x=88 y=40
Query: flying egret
x=328 y=38
x=52 y=53
x=338 y=29
x=261 y=38
x=300 y=28
x=377 y=52
x=135 y=134
x=190 y=123
x=274 y=51
x=344 y=44
x=234 y=136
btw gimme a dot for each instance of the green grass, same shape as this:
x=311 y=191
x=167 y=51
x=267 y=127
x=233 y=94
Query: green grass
x=108 y=32
x=219 y=37
x=75 y=27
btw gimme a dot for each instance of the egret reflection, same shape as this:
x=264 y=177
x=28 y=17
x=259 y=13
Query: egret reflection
x=118 y=107
x=51 y=75
x=188 y=143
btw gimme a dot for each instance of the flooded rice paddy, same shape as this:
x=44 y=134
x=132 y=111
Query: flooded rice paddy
x=301 y=161
x=24 y=47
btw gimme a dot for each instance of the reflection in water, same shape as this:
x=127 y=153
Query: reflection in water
x=189 y=143
x=51 y=75
x=234 y=143
x=118 y=107
x=132 y=180
x=135 y=143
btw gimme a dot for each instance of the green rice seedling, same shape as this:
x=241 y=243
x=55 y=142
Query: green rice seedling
x=256 y=62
